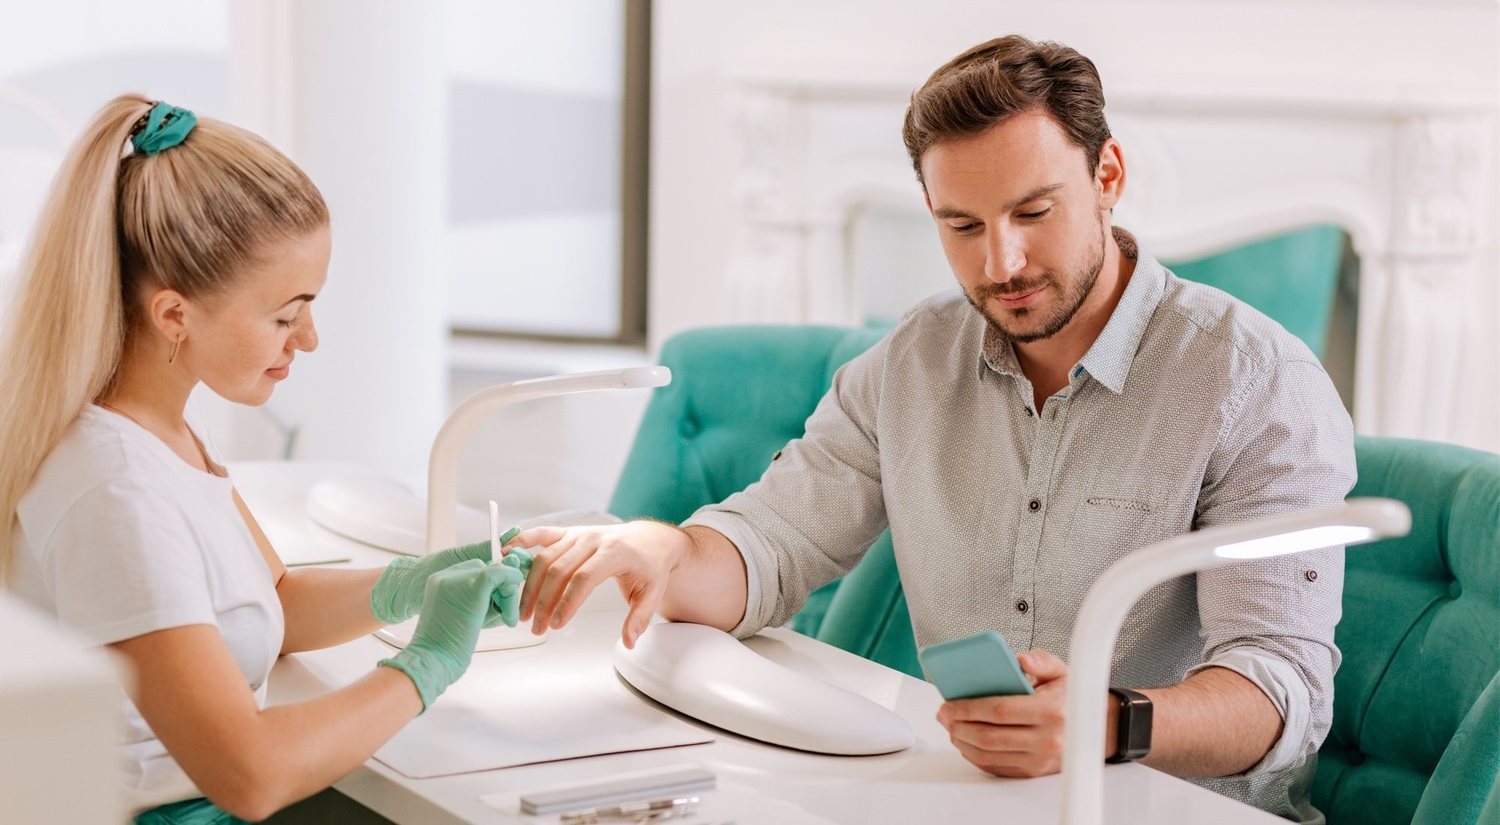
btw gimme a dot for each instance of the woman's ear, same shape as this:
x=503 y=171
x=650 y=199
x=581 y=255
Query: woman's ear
x=166 y=312
x=1109 y=177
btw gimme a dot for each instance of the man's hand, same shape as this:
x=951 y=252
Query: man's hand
x=570 y=562
x=1015 y=736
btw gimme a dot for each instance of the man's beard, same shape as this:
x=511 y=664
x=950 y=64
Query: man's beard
x=1043 y=326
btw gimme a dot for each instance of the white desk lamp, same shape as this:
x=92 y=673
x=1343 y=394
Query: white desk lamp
x=442 y=467
x=1114 y=593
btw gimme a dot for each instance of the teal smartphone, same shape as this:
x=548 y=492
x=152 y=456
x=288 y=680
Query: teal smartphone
x=978 y=665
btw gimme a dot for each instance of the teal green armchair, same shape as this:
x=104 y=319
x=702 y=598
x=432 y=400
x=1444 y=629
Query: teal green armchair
x=1416 y=715
x=1416 y=730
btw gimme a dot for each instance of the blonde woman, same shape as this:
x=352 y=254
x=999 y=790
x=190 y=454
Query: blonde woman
x=172 y=251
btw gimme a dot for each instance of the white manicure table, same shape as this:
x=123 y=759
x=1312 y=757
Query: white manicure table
x=928 y=782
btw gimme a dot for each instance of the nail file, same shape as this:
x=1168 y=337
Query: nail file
x=498 y=539
x=495 y=540
x=664 y=782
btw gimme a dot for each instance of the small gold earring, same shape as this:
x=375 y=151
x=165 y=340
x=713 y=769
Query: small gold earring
x=175 y=345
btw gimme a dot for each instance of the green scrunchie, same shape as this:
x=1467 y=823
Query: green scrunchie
x=166 y=126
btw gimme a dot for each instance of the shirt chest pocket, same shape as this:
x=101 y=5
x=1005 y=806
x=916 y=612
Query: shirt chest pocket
x=1110 y=523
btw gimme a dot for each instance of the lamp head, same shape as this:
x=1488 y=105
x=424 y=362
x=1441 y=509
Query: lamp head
x=1356 y=521
x=643 y=377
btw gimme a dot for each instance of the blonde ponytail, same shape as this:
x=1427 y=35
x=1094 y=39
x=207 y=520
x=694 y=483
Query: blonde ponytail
x=188 y=218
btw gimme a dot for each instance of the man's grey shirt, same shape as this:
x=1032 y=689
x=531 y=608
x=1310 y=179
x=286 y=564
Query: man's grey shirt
x=1190 y=410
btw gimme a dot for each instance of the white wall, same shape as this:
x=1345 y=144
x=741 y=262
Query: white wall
x=1366 y=52
x=60 y=62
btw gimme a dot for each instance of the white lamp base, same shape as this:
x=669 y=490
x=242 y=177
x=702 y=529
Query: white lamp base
x=495 y=638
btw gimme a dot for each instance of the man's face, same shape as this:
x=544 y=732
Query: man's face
x=1021 y=223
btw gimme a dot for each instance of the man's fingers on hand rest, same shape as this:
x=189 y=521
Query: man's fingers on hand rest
x=541 y=561
x=559 y=573
x=588 y=576
x=536 y=537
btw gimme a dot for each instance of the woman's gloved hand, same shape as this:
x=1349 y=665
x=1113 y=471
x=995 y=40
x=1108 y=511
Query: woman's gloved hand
x=505 y=604
x=397 y=594
x=455 y=602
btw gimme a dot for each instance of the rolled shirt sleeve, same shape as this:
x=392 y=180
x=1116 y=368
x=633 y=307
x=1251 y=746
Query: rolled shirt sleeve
x=819 y=506
x=1272 y=620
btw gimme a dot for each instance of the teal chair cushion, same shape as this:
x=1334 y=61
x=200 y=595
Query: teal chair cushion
x=188 y=812
x=866 y=612
x=1457 y=792
x=1420 y=638
x=1291 y=277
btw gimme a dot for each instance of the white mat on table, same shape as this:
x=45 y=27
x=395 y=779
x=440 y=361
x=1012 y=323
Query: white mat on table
x=540 y=718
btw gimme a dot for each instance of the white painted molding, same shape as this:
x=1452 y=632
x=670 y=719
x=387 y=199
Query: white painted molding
x=1411 y=177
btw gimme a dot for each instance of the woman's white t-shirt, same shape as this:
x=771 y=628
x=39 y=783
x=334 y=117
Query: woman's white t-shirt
x=119 y=537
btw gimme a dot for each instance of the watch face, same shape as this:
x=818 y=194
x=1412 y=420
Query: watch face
x=1133 y=726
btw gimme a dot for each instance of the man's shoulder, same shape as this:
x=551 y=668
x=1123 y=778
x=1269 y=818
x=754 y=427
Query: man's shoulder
x=942 y=325
x=939 y=317
x=946 y=307
x=1207 y=322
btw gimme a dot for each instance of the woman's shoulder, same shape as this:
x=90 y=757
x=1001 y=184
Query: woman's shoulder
x=95 y=452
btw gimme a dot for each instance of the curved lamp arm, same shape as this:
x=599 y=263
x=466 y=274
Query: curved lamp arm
x=442 y=466
x=1117 y=590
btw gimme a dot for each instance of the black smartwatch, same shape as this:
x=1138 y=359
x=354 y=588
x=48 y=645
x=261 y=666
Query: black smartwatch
x=1132 y=724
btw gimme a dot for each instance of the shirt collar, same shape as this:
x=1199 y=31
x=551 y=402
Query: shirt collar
x=1108 y=359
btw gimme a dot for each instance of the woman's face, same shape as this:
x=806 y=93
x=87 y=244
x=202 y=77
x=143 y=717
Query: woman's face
x=241 y=343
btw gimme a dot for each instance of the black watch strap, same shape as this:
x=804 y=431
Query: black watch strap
x=1133 y=725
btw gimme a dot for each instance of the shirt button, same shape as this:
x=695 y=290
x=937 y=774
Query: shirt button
x=1312 y=575
x=1022 y=606
x=1034 y=505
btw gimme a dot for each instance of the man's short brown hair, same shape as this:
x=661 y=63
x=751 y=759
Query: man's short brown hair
x=1004 y=77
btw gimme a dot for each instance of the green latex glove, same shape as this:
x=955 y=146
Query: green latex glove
x=506 y=601
x=454 y=604
x=397 y=594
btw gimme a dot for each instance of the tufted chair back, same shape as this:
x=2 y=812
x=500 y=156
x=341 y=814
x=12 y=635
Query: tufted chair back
x=1416 y=723
x=713 y=430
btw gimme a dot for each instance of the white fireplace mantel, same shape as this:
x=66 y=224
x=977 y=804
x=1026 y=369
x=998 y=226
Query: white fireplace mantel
x=1410 y=177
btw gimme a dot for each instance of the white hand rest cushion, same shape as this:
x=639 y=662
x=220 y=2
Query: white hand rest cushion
x=709 y=675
